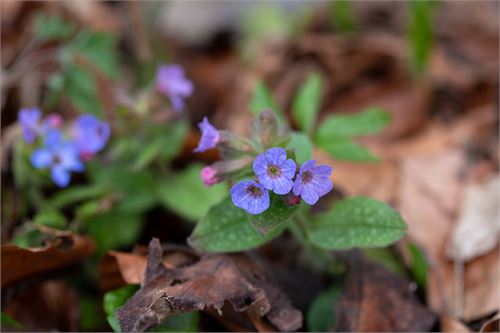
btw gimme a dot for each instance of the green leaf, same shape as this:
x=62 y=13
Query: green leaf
x=184 y=193
x=113 y=299
x=227 y=228
x=9 y=322
x=321 y=316
x=347 y=150
x=55 y=87
x=28 y=236
x=302 y=145
x=369 y=121
x=150 y=152
x=357 y=222
x=114 y=230
x=75 y=194
x=81 y=90
x=307 y=102
x=277 y=214
x=100 y=49
x=52 y=27
x=184 y=322
x=386 y=258
x=420 y=35
x=262 y=99
x=51 y=218
x=91 y=317
x=136 y=189
x=343 y=15
x=418 y=265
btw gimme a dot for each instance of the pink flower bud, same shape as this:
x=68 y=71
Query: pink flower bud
x=54 y=120
x=209 y=176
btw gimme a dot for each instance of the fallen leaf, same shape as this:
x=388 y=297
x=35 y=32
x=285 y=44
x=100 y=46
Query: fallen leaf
x=477 y=230
x=492 y=325
x=203 y=285
x=19 y=263
x=376 y=300
x=48 y=306
x=119 y=268
x=450 y=324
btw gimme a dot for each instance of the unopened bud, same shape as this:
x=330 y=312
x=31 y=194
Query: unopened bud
x=267 y=125
x=209 y=176
x=291 y=199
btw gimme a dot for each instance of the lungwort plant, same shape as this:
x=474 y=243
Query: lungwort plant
x=275 y=181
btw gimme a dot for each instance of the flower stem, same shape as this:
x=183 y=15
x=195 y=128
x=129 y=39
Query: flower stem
x=299 y=230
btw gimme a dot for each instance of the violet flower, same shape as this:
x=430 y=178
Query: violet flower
x=31 y=123
x=90 y=134
x=274 y=171
x=60 y=155
x=250 y=196
x=210 y=136
x=172 y=82
x=313 y=182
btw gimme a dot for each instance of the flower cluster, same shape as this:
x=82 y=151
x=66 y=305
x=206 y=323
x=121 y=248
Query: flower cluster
x=276 y=173
x=172 y=82
x=272 y=170
x=61 y=153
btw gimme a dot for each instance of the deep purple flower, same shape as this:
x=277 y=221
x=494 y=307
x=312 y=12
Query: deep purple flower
x=313 y=182
x=210 y=136
x=90 y=134
x=58 y=154
x=250 y=196
x=274 y=171
x=171 y=81
x=31 y=123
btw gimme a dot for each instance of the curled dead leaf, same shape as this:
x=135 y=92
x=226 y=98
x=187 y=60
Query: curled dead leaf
x=203 y=285
x=67 y=248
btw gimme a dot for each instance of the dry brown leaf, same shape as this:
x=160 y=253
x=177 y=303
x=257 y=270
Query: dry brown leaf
x=450 y=324
x=205 y=284
x=492 y=325
x=481 y=287
x=377 y=180
x=119 y=268
x=49 y=306
x=376 y=300
x=478 y=229
x=19 y=263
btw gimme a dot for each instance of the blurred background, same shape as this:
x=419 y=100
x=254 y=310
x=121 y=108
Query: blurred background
x=434 y=66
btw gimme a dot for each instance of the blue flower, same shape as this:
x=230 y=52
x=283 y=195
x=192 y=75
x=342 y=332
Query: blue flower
x=60 y=155
x=274 y=171
x=30 y=119
x=171 y=81
x=250 y=196
x=90 y=134
x=210 y=136
x=313 y=182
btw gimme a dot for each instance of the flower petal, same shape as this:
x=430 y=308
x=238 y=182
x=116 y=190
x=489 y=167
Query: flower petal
x=60 y=176
x=282 y=185
x=41 y=158
x=276 y=155
x=260 y=165
x=288 y=168
x=309 y=194
x=307 y=166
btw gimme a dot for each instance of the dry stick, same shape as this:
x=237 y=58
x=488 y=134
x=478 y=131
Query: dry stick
x=458 y=302
x=139 y=35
